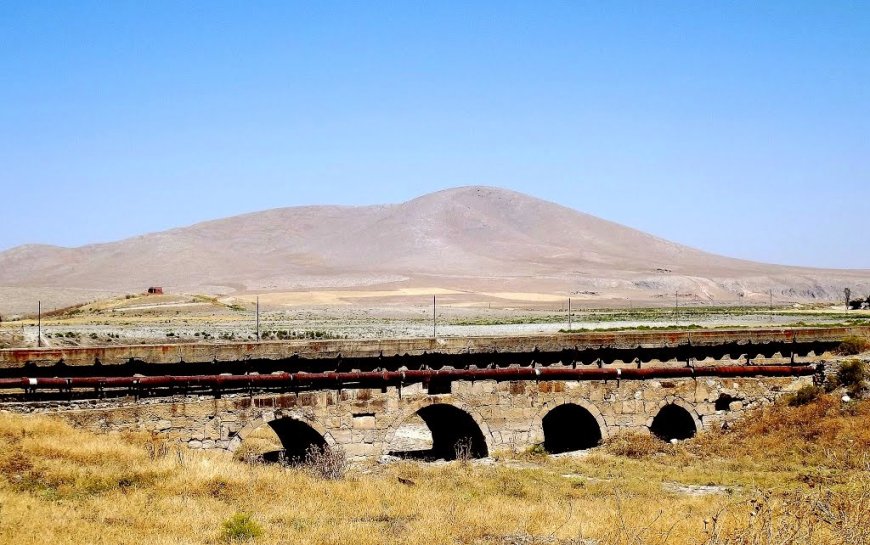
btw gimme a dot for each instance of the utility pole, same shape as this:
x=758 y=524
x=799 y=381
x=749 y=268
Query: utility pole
x=39 y=324
x=771 y=304
x=258 y=318
x=677 y=307
x=434 y=321
x=569 y=314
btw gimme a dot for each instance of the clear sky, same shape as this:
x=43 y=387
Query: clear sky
x=741 y=128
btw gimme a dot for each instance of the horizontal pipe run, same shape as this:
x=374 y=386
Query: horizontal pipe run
x=338 y=379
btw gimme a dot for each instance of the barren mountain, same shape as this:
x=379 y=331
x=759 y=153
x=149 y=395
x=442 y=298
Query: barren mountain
x=471 y=238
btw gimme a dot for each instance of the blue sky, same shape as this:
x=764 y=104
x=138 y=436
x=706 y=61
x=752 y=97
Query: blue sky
x=741 y=128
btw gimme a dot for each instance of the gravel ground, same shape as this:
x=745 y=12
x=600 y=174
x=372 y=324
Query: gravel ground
x=176 y=330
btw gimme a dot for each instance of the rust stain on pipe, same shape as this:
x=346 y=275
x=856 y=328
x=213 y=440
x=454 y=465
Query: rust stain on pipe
x=343 y=379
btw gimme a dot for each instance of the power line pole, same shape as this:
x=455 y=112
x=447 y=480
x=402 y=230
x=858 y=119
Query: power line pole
x=258 y=318
x=771 y=304
x=677 y=307
x=39 y=324
x=434 y=320
x=569 y=314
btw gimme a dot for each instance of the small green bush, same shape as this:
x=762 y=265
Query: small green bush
x=852 y=345
x=536 y=450
x=803 y=396
x=851 y=375
x=240 y=527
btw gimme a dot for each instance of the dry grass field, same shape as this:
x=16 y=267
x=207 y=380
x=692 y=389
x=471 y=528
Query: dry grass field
x=790 y=475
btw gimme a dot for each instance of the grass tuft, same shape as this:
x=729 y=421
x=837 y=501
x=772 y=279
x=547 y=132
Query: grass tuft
x=240 y=527
x=635 y=445
x=803 y=396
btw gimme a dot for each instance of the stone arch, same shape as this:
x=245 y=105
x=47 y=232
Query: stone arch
x=536 y=431
x=414 y=408
x=267 y=417
x=673 y=401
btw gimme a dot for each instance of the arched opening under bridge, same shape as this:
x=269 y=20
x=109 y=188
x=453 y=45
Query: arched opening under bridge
x=570 y=427
x=281 y=440
x=673 y=422
x=439 y=431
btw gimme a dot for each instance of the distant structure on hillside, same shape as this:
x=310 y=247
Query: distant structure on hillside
x=155 y=290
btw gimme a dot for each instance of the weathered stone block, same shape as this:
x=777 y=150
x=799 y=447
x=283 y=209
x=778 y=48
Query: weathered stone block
x=364 y=421
x=361 y=450
x=342 y=436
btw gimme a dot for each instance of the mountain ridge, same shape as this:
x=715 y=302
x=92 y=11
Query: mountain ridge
x=461 y=237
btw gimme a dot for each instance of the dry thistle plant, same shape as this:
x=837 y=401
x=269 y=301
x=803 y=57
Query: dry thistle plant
x=462 y=450
x=325 y=462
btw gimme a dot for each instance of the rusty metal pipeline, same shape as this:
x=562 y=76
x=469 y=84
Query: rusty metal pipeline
x=384 y=378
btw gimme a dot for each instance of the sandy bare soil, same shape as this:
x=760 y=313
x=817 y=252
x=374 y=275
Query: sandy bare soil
x=198 y=318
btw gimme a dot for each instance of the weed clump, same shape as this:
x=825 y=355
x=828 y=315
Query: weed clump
x=851 y=375
x=852 y=346
x=635 y=445
x=536 y=451
x=806 y=394
x=325 y=462
x=240 y=527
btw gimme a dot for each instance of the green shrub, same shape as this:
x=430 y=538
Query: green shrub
x=240 y=527
x=851 y=375
x=852 y=345
x=536 y=450
x=803 y=396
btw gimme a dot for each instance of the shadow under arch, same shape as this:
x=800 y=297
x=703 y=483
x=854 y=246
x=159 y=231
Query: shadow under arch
x=570 y=427
x=673 y=422
x=454 y=432
x=296 y=438
x=275 y=437
x=536 y=431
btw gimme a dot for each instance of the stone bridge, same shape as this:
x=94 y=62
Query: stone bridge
x=424 y=398
x=487 y=415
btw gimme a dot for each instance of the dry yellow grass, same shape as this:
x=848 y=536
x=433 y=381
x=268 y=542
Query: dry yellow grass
x=789 y=476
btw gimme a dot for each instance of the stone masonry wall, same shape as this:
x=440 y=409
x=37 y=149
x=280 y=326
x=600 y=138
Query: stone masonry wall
x=364 y=421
